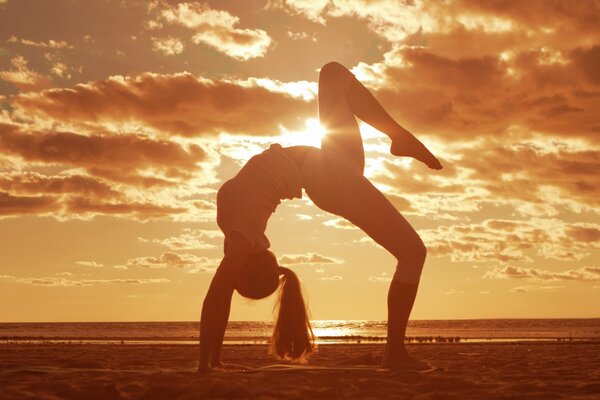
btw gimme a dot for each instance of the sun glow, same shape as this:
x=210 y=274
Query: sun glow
x=310 y=136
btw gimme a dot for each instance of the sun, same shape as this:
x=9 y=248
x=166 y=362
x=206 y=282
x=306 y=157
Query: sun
x=310 y=136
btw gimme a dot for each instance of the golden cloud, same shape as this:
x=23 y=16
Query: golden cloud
x=508 y=241
x=308 y=258
x=579 y=274
x=22 y=77
x=189 y=239
x=60 y=282
x=190 y=262
x=168 y=46
x=217 y=29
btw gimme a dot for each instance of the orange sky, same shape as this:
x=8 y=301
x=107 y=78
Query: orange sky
x=119 y=121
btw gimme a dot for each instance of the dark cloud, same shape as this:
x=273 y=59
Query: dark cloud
x=29 y=182
x=177 y=104
x=104 y=151
x=469 y=97
x=524 y=171
x=581 y=16
x=79 y=205
x=20 y=205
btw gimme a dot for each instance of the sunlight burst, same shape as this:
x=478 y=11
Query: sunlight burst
x=310 y=136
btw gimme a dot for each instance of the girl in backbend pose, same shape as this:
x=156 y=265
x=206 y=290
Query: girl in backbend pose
x=332 y=177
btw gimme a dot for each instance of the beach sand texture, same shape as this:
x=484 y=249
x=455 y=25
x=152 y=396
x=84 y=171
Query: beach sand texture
x=467 y=371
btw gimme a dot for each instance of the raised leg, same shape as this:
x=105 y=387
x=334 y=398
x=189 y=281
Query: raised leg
x=341 y=97
x=342 y=135
x=349 y=194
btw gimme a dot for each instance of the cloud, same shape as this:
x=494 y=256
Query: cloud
x=339 y=223
x=59 y=281
x=168 y=46
x=454 y=291
x=77 y=196
x=589 y=233
x=92 y=264
x=29 y=182
x=139 y=210
x=218 y=30
x=508 y=241
x=120 y=174
x=458 y=99
x=580 y=274
x=535 y=288
x=536 y=171
x=108 y=151
x=23 y=205
x=22 y=77
x=331 y=278
x=189 y=239
x=192 y=263
x=537 y=14
x=60 y=69
x=308 y=258
x=381 y=278
x=311 y=9
x=50 y=44
x=171 y=105
x=536 y=176
x=397 y=21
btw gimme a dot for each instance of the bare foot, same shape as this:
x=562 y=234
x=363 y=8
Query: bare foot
x=205 y=370
x=407 y=363
x=409 y=146
x=229 y=367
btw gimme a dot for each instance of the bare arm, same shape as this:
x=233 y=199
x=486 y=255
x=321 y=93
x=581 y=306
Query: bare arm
x=215 y=354
x=216 y=306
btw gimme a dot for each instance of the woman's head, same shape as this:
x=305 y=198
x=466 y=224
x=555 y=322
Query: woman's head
x=259 y=277
x=292 y=333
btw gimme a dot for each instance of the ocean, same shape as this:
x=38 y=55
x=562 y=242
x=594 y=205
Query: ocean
x=327 y=331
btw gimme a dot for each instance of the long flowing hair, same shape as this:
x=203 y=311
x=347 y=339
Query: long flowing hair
x=292 y=334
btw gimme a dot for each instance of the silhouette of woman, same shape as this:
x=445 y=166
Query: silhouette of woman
x=333 y=179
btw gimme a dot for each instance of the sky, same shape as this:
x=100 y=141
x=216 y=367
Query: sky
x=119 y=120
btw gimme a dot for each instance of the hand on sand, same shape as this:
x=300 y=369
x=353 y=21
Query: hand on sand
x=410 y=146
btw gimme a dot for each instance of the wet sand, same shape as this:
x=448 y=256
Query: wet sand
x=466 y=371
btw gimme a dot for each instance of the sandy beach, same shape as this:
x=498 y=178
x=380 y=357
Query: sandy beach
x=478 y=371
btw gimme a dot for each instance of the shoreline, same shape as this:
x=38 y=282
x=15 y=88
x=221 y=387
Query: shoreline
x=265 y=341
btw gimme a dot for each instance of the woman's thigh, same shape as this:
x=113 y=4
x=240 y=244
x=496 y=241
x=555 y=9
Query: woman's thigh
x=342 y=191
x=366 y=207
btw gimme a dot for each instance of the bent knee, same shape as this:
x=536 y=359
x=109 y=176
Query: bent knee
x=411 y=250
x=410 y=263
x=333 y=70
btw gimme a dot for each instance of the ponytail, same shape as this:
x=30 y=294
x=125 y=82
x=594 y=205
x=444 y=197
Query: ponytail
x=292 y=334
